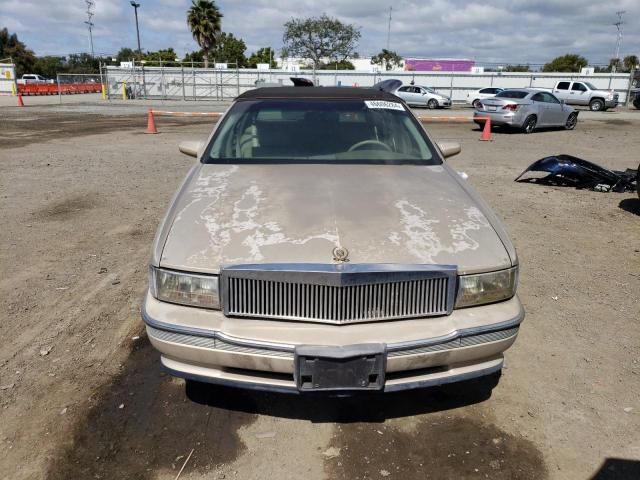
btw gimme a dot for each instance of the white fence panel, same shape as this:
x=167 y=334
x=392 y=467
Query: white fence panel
x=200 y=84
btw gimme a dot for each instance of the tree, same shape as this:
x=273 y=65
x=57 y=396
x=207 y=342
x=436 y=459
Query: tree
x=82 y=63
x=570 y=62
x=263 y=55
x=317 y=38
x=165 y=56
x=21 y=56
x=614 y=64
x=341 y=65
x=204 y=19
x=195 y=57
x=49 y=66
x=517 y=68
x=630 y=62
x=127 y=54
x=387 y=59
x=230 y=49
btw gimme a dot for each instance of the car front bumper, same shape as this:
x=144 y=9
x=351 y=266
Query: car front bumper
x=613 y=103
x=205 y=345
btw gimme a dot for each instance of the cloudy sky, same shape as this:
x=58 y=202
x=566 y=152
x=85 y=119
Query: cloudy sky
x=502 y=31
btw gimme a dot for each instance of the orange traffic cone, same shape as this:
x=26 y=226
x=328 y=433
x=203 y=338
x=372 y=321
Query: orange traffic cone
x=151 y=124
x=20 y=102
x=486 y=131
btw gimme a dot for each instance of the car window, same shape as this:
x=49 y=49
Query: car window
x=404 y=89
x=590 y=85
x=320 y=131
x=486 y=90
x=544 y=97
x=578 y=87
x=563 y=86
x=512 y=94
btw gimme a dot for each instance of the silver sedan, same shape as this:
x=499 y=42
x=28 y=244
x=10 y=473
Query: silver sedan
x=527 y=109
x=419 y=96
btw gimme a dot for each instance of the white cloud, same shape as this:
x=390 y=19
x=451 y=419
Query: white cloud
x=516 y=31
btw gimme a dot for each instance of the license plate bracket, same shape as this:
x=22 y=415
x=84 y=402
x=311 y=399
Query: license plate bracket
x=351 y=367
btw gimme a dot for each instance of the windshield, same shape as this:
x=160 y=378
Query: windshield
x=512 y=94
x=320 y=131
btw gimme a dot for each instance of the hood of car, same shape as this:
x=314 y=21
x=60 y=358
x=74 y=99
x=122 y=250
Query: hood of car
x=234 y=214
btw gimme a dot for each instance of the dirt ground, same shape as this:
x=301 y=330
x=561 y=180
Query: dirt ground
x=82 y=394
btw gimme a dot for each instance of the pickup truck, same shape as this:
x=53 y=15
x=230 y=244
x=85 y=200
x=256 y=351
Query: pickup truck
x=584 y=93
x=33 y=78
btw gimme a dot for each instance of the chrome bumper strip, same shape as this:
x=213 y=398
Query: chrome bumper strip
x=220 y=341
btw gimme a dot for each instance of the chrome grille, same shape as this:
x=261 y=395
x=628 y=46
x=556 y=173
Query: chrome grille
x=334 y=295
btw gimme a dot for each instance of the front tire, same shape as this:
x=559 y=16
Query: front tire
x=432 y=104
x=529 y=124
x=596 y=105
x=636 y=101
x=572 y=121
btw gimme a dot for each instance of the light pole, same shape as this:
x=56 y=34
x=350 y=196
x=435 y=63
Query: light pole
x=135 y=9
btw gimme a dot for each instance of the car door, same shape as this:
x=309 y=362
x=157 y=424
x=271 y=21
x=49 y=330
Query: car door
x=405 y=94
x=541 y=108
x=554 y=111
x=562 y=90
x=579 y=93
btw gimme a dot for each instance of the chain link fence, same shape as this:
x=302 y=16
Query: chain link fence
x=188 y=82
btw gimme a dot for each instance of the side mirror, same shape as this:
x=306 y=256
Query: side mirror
x=449 y=149
x=562 y=101
x=191 y=148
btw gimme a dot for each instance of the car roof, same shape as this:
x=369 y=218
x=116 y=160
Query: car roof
x=327 y=93
x=530 y=90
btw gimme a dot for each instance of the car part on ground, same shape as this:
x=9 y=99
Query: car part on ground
x=388 y=86
x=567 y=170
x=527 y=109
x=301 y=82
x=635 y=97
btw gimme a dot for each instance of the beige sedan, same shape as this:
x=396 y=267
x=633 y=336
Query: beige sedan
x=321 y=243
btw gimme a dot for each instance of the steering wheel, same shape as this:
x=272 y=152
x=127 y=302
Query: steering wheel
x=356 y=146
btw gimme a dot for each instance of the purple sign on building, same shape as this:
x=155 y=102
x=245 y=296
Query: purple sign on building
x=438 y=65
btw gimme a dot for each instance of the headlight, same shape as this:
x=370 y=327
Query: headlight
x=185 y=289
x=486 y=287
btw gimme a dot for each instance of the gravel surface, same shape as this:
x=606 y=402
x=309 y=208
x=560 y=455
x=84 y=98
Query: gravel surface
x=82 y=394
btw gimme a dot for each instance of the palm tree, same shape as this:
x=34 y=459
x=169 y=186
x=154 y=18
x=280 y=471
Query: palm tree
x=203 y=19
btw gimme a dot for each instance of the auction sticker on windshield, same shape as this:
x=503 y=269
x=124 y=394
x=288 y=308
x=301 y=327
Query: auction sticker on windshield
x=384 y=104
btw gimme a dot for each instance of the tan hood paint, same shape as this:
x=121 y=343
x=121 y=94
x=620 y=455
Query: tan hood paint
x=229 y=214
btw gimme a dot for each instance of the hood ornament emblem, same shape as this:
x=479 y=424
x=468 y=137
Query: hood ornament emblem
x=340 y=254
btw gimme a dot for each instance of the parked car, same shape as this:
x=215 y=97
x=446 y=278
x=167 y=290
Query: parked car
x=34 y=78
x=473 y=98
x=322 y=243
x=418 y=96
x=528 y=109
x=584 y=93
